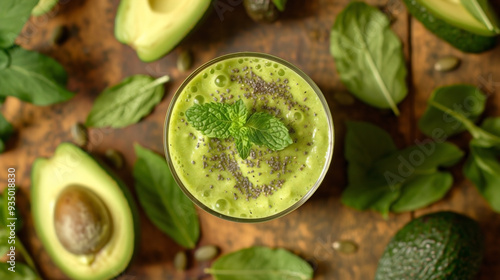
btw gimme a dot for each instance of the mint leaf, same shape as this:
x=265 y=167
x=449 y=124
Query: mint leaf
x=211 y=119
x=243 y=143
x=264 y=129
x=220 y=120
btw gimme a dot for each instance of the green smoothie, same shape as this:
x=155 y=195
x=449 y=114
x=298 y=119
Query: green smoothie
x=267 y=182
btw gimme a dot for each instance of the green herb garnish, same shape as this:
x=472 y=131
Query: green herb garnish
x=162 y=199
x=384 y=179
x=369 y=56
x=222 y=120
x=454 y=109
x=259 y=263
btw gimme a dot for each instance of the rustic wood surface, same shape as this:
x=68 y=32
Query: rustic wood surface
x=95 y=60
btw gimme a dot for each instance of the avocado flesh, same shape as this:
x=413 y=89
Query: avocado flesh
x=459 y=38
x=43 y=7
x=454 y=13
x=440 y=246
x=72 y=166
x=155 y=27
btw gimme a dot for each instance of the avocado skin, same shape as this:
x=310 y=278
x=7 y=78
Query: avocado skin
x=457 y=37
x=438 y=246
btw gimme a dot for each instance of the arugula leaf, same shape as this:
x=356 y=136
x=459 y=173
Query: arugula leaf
x=4 y=59
x=280 y=4
x=13 y=16
x=127 y=102
x=6 y=131
x=162 y=199
x=34 y=78
x=221 y=120
x=483 y=165
x=260 y=263
x=22 y=272
x=369 y=56
x=484 y=12
x=452 y=109
x=385 y=179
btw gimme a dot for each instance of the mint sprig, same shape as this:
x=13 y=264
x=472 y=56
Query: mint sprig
x=222 y=120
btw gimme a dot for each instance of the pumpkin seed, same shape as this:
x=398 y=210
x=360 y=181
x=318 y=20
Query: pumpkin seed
x=345 y=246
x=447 y=63
x=180 y=261
x=206 y=253
x=115 y=158
x=79 y=134
x=184 y=61
x=344 y=98
x=59 y=35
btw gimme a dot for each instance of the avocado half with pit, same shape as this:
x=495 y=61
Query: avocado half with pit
x=155 y=27
x=84 y=216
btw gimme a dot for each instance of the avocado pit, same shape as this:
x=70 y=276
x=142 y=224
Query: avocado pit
x=81 y=220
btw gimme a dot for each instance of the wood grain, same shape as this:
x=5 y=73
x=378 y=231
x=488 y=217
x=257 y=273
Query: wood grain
x=95 y=60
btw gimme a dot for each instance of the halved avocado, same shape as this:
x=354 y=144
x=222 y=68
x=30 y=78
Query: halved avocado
x=43 y=7
x=454 y=13
x=154 y=27
x=443 y=18
x=84 y=216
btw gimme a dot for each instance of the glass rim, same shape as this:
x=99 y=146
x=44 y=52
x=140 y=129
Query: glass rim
x=328 y=158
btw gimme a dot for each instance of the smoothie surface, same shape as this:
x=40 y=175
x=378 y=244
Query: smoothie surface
x=267 y=182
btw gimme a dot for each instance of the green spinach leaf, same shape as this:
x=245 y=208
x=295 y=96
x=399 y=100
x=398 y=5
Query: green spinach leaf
x=483 y=165
x=385 y=179
x=127 y=102
x=13 y=16
x=34 y=78
x=162 y=199
x=6 y=131
x=369 y=56
x=452 y=110
x=280 y=4
x=22 y=272
x=260 y=263
x=484 y=12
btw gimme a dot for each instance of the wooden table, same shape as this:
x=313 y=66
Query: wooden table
x=95 y=60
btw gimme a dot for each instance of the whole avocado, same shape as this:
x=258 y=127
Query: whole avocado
x=438 y=246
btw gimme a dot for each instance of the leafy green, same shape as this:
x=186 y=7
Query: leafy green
x=222 y=120
x=34 y=78
x=163 y=201
x=385 y=179
x=452 y=110
x=22 y=272
x=6 y=131
x=483 y=165
x=462 y=107
x=484 y=12
x=13 y=16
x=127 y=102
x=260 y=263
x=280 y=4
x=369 y=56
